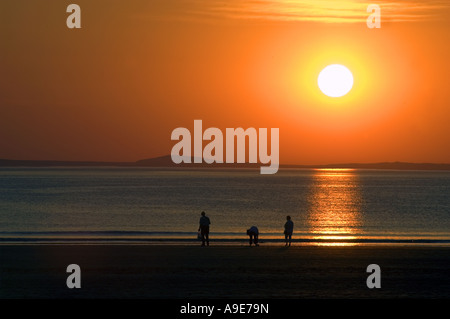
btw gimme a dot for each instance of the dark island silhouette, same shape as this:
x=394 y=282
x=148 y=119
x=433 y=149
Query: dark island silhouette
x=166 y=162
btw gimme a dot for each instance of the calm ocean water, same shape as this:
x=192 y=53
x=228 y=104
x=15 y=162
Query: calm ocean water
x=147 y=205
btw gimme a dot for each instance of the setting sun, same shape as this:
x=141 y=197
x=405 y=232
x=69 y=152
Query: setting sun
x=335 y=80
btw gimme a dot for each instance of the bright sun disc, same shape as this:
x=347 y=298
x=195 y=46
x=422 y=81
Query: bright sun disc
x=335 y=80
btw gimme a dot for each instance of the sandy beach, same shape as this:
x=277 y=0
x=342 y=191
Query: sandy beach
x=170 y=271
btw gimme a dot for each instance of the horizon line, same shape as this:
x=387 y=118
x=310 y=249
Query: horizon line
x=154 y=161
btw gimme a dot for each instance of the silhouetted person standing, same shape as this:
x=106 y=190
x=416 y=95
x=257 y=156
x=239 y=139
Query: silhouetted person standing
x=204 y=228
x=253 y=234
x=288 y=230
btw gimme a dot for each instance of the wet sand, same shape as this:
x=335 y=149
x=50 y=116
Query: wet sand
x=238 y=272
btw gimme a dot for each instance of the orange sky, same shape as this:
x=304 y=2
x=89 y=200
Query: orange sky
x=115 y=89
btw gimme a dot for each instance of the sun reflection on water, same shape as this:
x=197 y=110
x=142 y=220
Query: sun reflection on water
x=334 y=216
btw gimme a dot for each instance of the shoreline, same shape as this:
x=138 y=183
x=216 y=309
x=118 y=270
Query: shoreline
x=226 y=244
x=235 y=242
x=224 y=272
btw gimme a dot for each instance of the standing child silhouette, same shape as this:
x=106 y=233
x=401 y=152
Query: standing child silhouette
x=204 y=228
x=288 y=230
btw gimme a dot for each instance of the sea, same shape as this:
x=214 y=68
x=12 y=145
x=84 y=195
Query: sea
x=111 y=205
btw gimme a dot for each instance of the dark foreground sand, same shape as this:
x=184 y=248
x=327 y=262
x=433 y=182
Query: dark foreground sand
x=147 y=271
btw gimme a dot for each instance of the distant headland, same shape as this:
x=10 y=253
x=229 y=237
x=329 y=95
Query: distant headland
x=166 y=162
